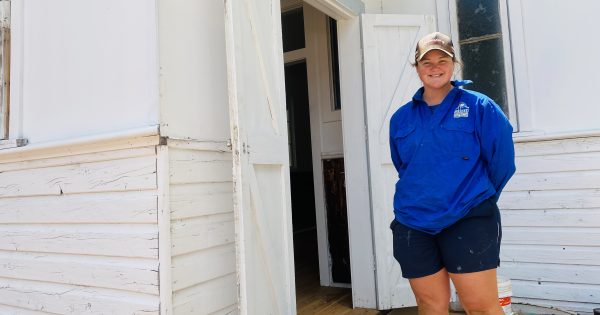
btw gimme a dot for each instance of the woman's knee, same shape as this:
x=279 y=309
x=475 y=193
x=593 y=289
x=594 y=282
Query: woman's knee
x=432 y=292
x=434 y=301
x=475 y=305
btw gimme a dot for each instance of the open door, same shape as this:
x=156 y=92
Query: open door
x=260 y=157
x=389 y=43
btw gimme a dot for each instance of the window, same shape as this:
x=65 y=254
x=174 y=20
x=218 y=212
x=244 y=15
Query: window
x=335 y=65
x=292 y=29
x=481 y=41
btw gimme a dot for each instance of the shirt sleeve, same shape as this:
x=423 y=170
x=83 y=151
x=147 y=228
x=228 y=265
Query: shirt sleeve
x=497 y=148
x=394 y=149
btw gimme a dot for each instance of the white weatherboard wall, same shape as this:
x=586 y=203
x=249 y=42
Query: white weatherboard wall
x=195 y=119
x=78 y=228
x=553 y=80
x=102 y=213
x=202 y=229
x=117 y=225
x=551 y=207
x=551 y=224
x=193 y=73
x=87 y=67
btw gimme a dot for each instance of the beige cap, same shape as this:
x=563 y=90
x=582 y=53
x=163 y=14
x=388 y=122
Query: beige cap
x=435 y=40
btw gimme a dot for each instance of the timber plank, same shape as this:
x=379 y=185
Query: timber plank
x=551 y=236
x=135 y=275
x=62 y=299
x=551 y=218
x=583 y=293
x=551 y=272
x=572 y=180
x=193 y=166
x=555 y=199
x=130 y=207
x=206 y=297
x=120 y=175
x=542 y=148
x=199 y=199
x=216 y=262
x=196 y=234
x=108 y=240
x=568 y=255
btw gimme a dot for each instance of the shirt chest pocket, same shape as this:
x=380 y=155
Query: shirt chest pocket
x=405 y=141
x=459 y=136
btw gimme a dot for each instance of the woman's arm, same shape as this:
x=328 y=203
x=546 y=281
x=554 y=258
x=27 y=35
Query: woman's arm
x=497 y=148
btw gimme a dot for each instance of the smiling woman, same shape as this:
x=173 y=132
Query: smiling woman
x=435 y=71
x=454 y=153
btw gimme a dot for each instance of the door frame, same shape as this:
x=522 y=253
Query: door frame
x=320 y=99
x=358 y=200
x=358 y=193
x=358 y=197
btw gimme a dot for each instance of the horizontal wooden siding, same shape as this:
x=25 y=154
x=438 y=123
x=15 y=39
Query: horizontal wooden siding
x=202 y=226
x=78 y=234
x=551 y=219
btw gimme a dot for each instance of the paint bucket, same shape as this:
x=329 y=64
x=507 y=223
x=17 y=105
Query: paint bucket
x=505 y=295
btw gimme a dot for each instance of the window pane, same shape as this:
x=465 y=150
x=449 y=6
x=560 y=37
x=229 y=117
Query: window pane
x=484 y=64
x=292 y=29
x=335 y=64
x=478 y=18
x=481 y=48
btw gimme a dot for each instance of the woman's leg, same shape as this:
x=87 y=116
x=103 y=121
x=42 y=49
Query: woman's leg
x=471 y=253
x=432 y=293
x=478 y=292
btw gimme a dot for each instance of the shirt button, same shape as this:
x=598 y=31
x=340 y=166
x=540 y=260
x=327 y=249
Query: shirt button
x=465 y=158
x=421 y=144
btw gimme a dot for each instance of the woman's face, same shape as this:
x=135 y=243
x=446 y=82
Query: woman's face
x=435 y=69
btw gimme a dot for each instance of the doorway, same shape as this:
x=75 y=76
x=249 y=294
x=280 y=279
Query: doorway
x=319 y=216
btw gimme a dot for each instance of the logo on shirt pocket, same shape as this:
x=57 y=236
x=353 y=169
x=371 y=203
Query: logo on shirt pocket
x=461 y=111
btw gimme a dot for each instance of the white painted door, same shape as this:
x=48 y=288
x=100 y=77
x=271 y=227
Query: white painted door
x=260 y=153
x=390 y=81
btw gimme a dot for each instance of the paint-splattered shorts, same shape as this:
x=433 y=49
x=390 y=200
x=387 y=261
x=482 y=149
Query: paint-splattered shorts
x=469 y=245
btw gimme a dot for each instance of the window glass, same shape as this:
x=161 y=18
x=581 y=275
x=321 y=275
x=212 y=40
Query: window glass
x=335 y=65
x=482 y=52
x=292 y=28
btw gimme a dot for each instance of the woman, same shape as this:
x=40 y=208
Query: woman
x=454 y=153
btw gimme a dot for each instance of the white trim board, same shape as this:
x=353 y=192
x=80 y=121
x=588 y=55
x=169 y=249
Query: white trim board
x=130 y=138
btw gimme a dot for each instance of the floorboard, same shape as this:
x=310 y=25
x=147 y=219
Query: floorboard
x=311 y=297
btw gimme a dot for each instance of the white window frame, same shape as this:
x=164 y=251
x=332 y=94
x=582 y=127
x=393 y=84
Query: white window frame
x=4 y=67
x=11 y=117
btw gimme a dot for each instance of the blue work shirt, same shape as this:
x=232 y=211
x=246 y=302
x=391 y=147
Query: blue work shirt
x=448 y=160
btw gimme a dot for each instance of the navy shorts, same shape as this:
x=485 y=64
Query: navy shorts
x=469 y=245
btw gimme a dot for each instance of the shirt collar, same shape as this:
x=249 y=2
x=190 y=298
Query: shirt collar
x=418 y=97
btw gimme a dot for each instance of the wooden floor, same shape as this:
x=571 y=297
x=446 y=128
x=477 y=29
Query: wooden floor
x=311 y=298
